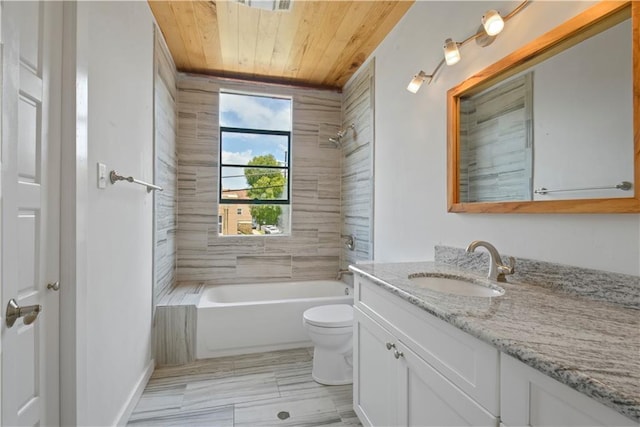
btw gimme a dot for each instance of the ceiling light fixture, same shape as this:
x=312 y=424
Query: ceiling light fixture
x=492 y=25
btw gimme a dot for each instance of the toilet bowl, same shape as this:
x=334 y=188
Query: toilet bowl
x=330 y=328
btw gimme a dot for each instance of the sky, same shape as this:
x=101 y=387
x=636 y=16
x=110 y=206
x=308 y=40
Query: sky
x=252 y=112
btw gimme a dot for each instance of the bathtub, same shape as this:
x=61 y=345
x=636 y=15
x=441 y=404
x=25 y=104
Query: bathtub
x=252 y=318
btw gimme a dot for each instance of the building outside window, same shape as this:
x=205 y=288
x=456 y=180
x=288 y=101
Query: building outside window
x=255 y=147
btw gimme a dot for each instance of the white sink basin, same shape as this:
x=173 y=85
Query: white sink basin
x=456 y=286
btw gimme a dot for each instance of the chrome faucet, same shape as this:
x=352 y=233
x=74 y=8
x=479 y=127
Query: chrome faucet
x=341 y=273
x=497 y=270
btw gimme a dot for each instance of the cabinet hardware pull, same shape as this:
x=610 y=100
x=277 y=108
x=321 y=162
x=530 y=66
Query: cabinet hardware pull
x=398 y=354
x=390 y=346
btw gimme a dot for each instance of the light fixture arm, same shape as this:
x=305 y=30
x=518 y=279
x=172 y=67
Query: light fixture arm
x=517 y=10
x=471 y=38
x=435 y=70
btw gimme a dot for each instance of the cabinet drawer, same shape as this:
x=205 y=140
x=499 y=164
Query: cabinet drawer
x=467 y=362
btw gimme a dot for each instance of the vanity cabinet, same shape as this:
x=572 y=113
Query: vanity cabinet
x=411 y=369
x=531 y=398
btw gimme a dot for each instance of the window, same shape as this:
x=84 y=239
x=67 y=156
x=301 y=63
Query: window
x=255 y=146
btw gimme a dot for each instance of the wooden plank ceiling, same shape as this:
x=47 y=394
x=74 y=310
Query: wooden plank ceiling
x=317 y=43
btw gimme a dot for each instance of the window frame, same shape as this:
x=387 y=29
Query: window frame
x=287 y=168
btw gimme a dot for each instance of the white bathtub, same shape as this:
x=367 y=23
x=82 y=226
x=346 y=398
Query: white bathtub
x=241 y=319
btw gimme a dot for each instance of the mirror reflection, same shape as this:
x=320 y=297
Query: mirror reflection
x=560 y=130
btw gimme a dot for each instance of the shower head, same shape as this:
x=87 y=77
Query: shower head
x=336 y=140
x=352 y=126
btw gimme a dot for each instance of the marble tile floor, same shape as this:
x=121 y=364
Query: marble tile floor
x=249 y=390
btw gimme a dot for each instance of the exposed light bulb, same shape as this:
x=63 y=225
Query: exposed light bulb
x=492 y=22
x=417 y=81
x=451 y=52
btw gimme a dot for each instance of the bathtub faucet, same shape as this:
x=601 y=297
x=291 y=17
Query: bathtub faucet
x=341 y=273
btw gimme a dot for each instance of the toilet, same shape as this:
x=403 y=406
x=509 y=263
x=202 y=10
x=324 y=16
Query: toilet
x=330 y=328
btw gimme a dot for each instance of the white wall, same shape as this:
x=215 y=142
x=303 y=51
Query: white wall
x=119 y=218
x=410 y=207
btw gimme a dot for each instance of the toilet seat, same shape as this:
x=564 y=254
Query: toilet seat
x=330 y=316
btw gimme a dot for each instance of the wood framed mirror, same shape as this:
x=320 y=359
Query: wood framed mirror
x=592 y=24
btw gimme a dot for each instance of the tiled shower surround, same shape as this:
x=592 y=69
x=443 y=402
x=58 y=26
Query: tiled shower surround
x=165 y=170
x=357 y=166
x=312 y=250
x=332 y=195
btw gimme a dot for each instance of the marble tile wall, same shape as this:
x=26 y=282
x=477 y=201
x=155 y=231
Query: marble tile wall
x=496 y=162
x=174 y=329
x=312 y=250
x=175 y=334
x=357 y=166
x=165 y=171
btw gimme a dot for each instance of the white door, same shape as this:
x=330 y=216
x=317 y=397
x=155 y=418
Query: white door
x=31 y=40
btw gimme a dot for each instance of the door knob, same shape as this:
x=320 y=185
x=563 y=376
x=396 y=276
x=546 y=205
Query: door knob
x=54 y=286
x=14 y=311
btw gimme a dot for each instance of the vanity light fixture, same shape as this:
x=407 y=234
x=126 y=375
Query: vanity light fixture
x=417 y=81
x=492 y=25
x=492 y=22
x=451 y=52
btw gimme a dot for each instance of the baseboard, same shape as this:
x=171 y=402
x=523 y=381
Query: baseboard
x=132 y=401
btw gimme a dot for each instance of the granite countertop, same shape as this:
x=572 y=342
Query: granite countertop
x=592 y=346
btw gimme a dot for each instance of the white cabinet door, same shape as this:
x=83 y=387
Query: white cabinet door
x=374 y=373
x=530 y=398
x=429 y=399
x=393 y=386
x=470 y=364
